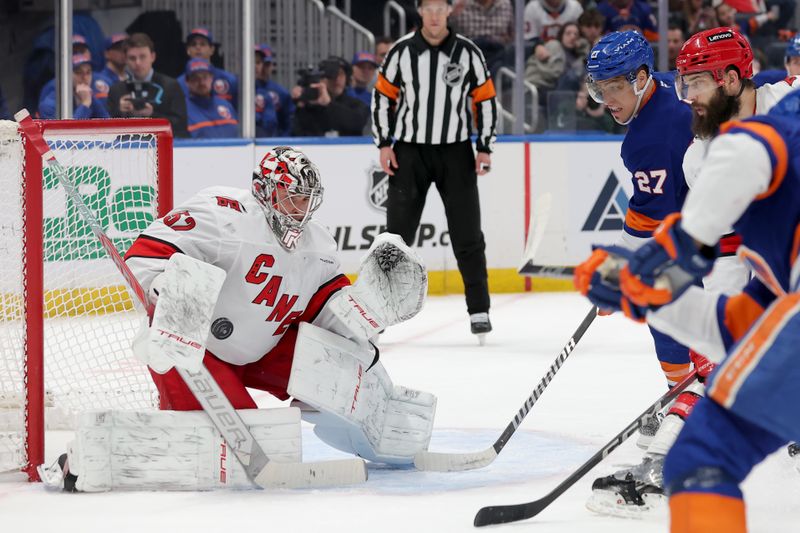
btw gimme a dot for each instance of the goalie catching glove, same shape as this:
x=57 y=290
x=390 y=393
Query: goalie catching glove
x=391 y=287
x=661 y=270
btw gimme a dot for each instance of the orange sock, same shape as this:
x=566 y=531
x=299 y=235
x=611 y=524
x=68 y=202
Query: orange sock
x=699 y=512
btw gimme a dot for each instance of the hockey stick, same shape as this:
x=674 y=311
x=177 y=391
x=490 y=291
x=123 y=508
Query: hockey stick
x=453 y=462
x=501 y=514
x=259 y=468
x=538 y=222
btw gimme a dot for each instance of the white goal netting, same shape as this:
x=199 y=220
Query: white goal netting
x=88 y=316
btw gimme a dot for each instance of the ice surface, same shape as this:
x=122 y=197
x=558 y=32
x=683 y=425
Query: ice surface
x=609 y=379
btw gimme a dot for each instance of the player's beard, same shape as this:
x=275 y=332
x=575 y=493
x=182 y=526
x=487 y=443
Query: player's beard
x=720 y=108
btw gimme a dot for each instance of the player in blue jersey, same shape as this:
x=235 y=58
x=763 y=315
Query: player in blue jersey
x=751 y=182
x=619 y=72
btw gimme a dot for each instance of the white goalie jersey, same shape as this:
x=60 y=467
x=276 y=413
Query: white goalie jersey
x=266 y=290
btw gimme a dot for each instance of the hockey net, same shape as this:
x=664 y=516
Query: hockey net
x=66 y=316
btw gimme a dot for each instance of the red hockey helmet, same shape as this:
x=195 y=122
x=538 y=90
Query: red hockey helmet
x=714 y=51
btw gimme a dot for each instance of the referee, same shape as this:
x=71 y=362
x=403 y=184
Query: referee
x=422 y=102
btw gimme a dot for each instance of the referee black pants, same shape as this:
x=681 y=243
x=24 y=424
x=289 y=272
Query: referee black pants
x=452 y=168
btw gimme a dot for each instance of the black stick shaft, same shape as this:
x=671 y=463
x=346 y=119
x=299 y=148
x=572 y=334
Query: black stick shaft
x=562 y=356
x=501 y=514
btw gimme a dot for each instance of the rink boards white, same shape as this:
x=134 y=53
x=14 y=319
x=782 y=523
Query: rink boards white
x=585 y=176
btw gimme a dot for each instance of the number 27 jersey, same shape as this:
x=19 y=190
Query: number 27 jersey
x=653 y=152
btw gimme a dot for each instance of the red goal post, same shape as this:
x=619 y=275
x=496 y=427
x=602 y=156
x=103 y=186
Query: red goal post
x=66 y=318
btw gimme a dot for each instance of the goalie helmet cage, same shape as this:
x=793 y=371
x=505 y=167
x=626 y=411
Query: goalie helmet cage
x=66 y=317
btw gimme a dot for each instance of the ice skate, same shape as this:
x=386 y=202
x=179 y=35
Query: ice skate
x=630 y=492
x=480 y=326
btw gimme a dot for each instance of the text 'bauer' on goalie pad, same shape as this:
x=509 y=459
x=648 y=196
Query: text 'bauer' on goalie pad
x=360 y=410
x=391 y=287
x=169 y=450
x=186 y=294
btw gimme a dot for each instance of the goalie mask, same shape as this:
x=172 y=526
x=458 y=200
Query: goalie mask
x=287 y=185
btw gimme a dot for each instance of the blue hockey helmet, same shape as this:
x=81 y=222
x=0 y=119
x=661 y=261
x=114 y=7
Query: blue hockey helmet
x=619 y=53
x=788 y=106
x=793 y=48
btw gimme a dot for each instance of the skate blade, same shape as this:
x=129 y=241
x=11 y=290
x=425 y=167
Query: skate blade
x=609 y=503
x=481 y=338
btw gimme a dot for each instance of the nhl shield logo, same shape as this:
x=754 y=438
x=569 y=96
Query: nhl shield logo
x=453 y=72
x=378 y=188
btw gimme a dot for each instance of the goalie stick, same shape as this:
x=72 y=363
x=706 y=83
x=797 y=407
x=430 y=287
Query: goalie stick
x=454 y=462
x=538 y=222
x=501 y=514
x=259 y=468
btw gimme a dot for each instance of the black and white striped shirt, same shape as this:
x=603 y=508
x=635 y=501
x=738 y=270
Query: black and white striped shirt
x=422 y=94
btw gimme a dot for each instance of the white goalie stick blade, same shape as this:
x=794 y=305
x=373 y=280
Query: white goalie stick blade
x=456 y=462
x=540 y=215
x=312 y=475
x=453 y=462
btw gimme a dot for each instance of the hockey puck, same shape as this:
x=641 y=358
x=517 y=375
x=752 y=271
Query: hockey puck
x=222 y=328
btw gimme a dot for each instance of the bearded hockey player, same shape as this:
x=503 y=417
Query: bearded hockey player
x=751 y=182
x=714 y=76
x=286 y=321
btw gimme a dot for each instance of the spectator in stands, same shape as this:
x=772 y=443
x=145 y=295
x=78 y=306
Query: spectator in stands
x=382 y=46
x=575 y=51
x=325 y=108
x=593 y=116
x=4 y=114
x=114 y=70
x=85 y=103
x=489 y=23
x=147 y=93
x=544 y=18
x=281 y=99
x=209 y=116
x=675 y=40
x=791 y=62
x=98 y=83
x=591 y=24
x=623 y=15
x=266 y=115
x=548 y=62
x=200 y=44
x=698 y=15
x=748 y=25
x=364 y=65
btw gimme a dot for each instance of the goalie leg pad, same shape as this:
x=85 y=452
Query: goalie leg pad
x=173 y=450
x=361 y=410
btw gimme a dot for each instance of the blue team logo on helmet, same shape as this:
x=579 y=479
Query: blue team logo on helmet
x=788 y=106
x=793 y=48
x=619 y=53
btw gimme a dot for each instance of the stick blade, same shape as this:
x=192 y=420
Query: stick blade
x=546 y=271
x=312 y=475
x=453 y=462
x=503 y=514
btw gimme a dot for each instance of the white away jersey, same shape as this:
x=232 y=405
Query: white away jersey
x=766 y=96
x=266 y=290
